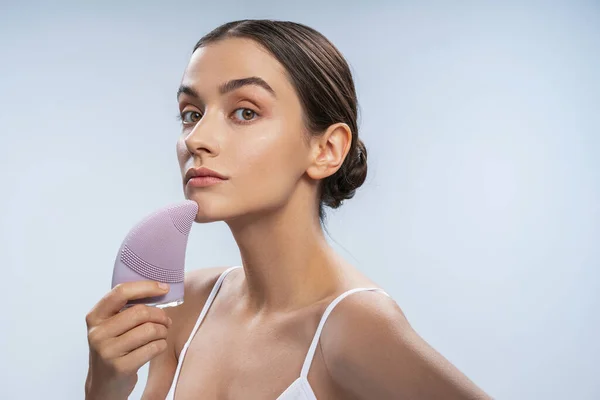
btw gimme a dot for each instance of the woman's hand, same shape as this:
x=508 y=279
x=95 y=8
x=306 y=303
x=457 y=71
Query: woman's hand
x=121 y=342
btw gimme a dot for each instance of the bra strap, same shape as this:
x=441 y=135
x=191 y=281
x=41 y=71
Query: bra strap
x=203 y=313
x=211 y=298
x=313 y=346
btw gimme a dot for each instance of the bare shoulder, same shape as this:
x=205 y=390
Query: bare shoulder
x=363 y=316
x=197 y=286
x=200 y=281
x=371 y=351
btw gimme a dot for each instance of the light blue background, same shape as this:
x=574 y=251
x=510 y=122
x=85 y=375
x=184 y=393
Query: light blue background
x=480 y=215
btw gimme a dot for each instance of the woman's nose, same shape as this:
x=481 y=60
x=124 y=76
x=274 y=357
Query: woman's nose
x=203 y=137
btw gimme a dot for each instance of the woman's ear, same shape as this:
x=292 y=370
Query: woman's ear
x=329 y=150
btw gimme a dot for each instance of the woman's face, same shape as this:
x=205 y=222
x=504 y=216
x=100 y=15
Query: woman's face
x=253 y=135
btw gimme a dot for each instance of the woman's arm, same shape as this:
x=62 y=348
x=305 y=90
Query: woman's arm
x=372 y=352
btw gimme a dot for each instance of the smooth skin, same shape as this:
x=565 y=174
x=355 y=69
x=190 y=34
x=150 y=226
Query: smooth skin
x=255 y=337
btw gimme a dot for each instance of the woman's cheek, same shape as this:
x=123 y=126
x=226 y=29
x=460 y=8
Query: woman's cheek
x=262 y=152
x=181 y=150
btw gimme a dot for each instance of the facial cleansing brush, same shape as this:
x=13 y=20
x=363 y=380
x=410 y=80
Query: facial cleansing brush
x=154 y=249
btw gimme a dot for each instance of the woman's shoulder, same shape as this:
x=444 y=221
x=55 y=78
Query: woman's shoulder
x=201 y=280
x=198 y=284
x=372 y=351
x=362 y=327
x=364 y=307
x=360 y=315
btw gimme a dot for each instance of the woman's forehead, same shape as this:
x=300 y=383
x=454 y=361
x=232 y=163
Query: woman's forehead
x=233 y=58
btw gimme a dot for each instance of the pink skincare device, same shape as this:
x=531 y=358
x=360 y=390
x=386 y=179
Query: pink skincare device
x=154 y=249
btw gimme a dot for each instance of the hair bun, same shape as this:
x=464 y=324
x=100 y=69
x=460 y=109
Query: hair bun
x=343 y=184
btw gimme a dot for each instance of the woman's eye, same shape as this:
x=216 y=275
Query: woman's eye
x=190 y=117
x=245 y=114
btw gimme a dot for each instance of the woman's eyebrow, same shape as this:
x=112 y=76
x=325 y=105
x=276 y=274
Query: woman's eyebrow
x=230 y=86
x=187 y=90
x=238 y=83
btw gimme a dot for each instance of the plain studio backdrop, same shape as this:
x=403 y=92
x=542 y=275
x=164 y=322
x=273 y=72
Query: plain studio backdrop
x=480 y=214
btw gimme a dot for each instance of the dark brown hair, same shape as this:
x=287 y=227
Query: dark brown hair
x=324 y=84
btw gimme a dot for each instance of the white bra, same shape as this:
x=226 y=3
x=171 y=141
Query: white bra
x=300 y=389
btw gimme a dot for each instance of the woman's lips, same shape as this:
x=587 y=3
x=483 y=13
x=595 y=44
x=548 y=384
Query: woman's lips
x=203 y=181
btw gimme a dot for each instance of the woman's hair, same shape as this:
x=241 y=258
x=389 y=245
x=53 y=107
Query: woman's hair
x=324 y=84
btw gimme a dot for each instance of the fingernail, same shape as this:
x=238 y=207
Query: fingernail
x=163 y=286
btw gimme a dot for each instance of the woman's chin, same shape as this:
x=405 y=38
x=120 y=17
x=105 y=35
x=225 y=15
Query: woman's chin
x=205 y=219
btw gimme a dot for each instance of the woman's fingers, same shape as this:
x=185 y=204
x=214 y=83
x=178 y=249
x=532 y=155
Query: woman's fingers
x=133 y=339
x=130 y=318
x=115 y=300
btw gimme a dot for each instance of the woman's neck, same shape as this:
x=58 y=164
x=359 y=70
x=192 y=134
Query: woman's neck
x=287 y=261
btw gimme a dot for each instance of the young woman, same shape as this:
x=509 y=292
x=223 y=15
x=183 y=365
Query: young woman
x=269 y=131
